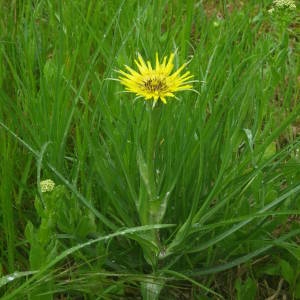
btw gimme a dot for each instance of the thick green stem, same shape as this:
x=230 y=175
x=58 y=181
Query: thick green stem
x=152 y=128
x=151 y=288
x=149 y=202
x=149 y=211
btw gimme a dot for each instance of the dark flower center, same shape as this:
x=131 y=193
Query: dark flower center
x=155 y=85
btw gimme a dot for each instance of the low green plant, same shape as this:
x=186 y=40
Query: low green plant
x=149 y=202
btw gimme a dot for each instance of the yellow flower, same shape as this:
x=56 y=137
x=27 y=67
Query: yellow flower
x=47 y=185
x=156 y=83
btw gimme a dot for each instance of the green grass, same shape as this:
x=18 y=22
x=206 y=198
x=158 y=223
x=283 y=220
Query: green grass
x=196 y=199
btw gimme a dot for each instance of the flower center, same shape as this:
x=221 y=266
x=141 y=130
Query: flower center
x=154 y=85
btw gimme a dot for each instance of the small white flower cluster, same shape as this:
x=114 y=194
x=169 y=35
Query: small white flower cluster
x=285 y=3
x=271 y=10
x=47 y=185
x=290 y=4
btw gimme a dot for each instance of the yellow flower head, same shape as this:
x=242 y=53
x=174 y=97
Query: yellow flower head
x=156 y=83
x=47 y=185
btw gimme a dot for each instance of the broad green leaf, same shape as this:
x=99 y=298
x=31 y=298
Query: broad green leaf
x=246 y=290
x=287 y=271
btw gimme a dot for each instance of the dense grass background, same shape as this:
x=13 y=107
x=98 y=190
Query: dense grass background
x=210 y=213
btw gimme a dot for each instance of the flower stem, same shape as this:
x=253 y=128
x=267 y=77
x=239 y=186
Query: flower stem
x=154 y=120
